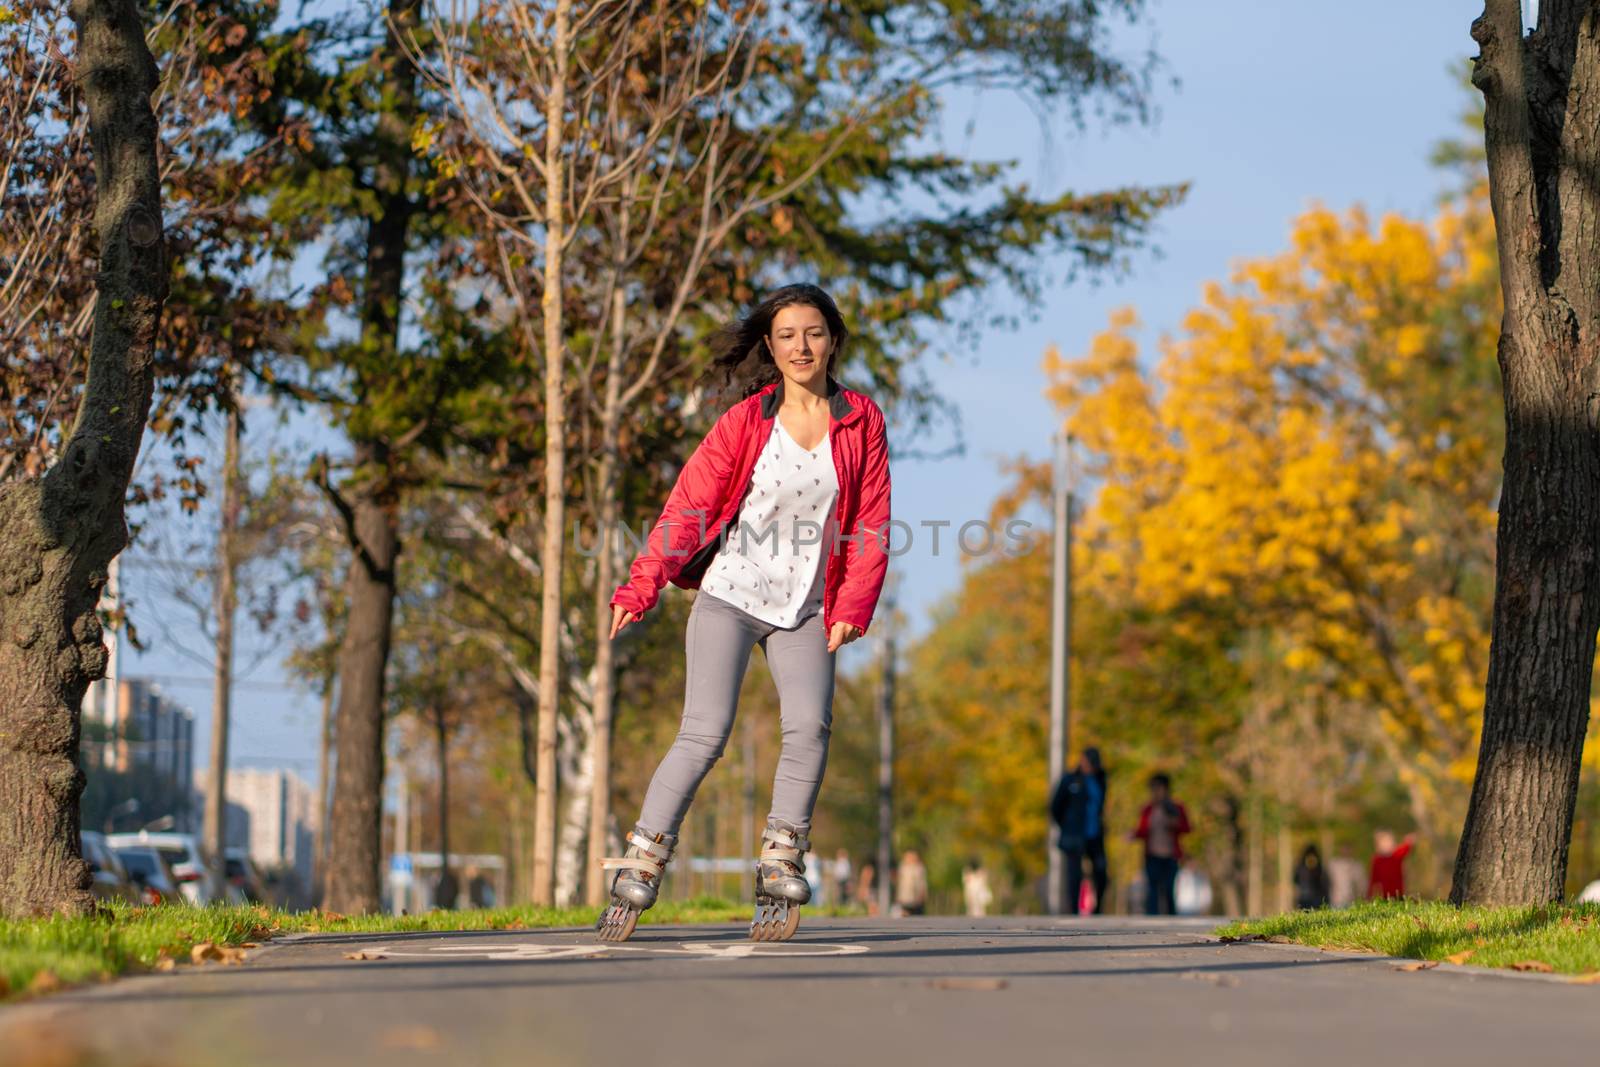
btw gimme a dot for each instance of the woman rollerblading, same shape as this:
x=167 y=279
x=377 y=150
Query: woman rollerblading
x=779 y=520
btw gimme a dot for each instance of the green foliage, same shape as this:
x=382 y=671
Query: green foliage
x=1565 y=939
x=122 y=938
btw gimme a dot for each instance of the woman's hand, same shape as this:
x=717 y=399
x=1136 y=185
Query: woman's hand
x=620 y=618
x=842 y=634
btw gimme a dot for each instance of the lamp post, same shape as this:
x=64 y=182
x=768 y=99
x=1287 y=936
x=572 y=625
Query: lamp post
x=1060 y=649
x=885 y=887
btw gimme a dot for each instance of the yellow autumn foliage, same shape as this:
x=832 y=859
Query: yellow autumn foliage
x=1317 y=452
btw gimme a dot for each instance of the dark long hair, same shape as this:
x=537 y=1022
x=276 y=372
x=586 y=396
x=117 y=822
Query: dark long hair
x=741 y=365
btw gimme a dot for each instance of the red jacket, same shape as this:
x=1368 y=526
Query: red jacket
x=1387 y=878
x=703 y=506
x=1180 y=827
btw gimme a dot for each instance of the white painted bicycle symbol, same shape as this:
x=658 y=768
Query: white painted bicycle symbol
x=704 y=950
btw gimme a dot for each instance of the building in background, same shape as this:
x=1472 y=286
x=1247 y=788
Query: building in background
x=278 y=824
x=138 y=754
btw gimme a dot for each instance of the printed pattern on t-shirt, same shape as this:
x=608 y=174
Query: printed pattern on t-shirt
x=772 y=563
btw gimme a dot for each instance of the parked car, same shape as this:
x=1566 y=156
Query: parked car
x=184 y=855
x=245 y=886
x=148 y=869
x=111 y=880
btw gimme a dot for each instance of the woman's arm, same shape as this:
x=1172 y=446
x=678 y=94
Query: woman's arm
x=865 y=558
x=691 y=506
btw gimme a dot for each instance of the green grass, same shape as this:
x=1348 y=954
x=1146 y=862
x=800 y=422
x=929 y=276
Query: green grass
x=41 y=955
x=1564 y=939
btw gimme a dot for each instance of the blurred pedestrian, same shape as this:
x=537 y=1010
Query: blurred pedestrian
x=1310 y=880
x=1162 y=824
x=841 y=875
x=1094 y=842
x=1347 y=879
x=445 y=890
x=1077 y=805
x=975 y=891
x=911 y=884
x=479 y=889
x=867 y=887
x=1387 y=877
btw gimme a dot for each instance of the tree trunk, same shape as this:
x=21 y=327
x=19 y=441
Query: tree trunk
x=604 y=664
x=446 y=897
x=58 y=534
x=571 y=851
x=319 y=850
x=355 y=833
x=544 y=810
x=227 y=601
x=355 y=829
x=1255 y=852
x=1542 y=135
x=1285 y=867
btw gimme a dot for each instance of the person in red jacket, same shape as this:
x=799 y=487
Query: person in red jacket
x=780 y=521
x=1388 y=876
x=1162 y=824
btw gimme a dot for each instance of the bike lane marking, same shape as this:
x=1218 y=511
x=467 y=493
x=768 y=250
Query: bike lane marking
x=702 y=950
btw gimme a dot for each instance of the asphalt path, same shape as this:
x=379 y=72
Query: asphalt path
x=900 y=993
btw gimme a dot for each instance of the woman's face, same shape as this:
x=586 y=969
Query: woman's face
x=800 y=343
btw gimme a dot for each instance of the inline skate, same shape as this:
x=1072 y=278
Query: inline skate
x=781 y=886
x=636 y=884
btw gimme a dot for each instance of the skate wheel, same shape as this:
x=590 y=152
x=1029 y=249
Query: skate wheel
x=617 y=923
x=775 y=921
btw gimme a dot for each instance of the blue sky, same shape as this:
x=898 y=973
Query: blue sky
x=1281 y=105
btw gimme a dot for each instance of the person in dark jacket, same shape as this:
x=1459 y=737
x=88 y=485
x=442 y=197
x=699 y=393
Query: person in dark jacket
x=1078 y=806
x=1310 y=880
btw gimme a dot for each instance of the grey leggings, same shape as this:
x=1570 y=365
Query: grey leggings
x=718 y=645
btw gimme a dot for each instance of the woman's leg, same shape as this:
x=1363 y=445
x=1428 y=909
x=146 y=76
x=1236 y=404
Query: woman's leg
x=802 y=667
x=717 y=651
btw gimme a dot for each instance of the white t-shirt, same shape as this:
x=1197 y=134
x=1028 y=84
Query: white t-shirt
x=772 y=563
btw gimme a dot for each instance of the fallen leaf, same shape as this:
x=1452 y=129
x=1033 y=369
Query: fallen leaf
x=1537 y=966
x=1242 y=938
x=980 y=984
x=413 y=1037
x=229 y=956
x=166 y=964
x=365 y=956
x=1592 y=978
x=1418 y=965
x=45 y=982
x=205 y=950
x=1472 y=928
x=1458 y=958
x=250 y=944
